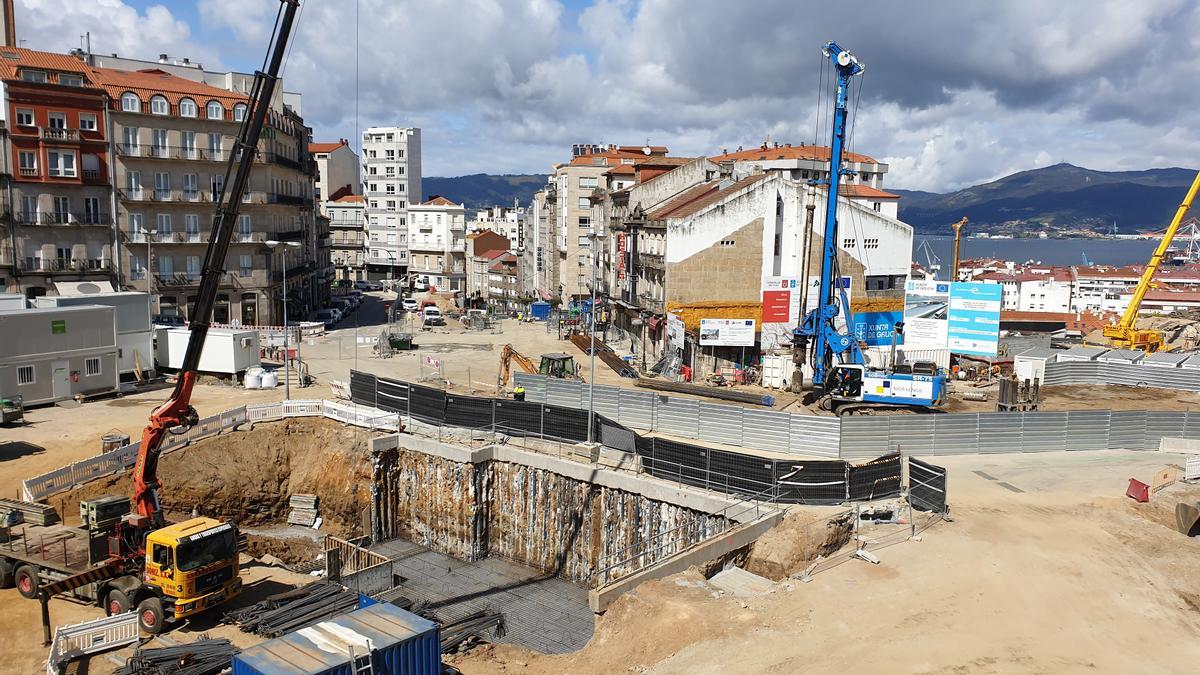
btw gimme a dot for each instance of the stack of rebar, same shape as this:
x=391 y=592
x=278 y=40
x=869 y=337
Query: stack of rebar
x=304 y=510
x=205 y=656
x=294 y=609
x=456 y=632
x=604 y=353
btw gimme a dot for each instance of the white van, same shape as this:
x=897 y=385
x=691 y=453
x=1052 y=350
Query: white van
x=432 y=316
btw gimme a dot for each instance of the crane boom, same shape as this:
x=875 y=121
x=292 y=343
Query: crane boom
x=178 y=411
x=1125 y=334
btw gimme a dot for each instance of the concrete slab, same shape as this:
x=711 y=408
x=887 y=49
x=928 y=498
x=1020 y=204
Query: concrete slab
x=739 y=582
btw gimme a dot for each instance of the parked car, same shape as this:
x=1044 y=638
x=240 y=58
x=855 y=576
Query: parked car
x=346 y=306
x=432 y=316
x=409 y=305
x=329 y=316
x=368 y=285
x=167 y=320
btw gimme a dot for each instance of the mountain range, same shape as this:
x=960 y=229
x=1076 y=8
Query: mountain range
x=1062 y=199
x=481 y=190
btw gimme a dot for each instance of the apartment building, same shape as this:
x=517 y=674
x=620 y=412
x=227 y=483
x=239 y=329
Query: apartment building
x=173 y=138
x=337 y=172
x=541 y=258
x=391 y=182
x=349 y=236
x=482 y=247
x=57 y=223
x=437 y=244
x=505 y=220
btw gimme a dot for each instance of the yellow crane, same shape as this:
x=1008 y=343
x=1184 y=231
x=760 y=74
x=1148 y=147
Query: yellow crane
x=1125 y=335
x=957 y=236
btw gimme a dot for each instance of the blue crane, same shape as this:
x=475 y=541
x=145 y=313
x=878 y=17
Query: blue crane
x=839 y=369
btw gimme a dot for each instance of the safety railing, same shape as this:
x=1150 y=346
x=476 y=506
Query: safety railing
x=91 y=637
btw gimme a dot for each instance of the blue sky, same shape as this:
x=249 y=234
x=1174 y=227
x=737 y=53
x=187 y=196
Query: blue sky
x=955 y=93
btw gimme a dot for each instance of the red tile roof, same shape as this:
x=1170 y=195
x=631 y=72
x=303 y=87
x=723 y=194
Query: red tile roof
x=700 y=197
x=13 y=57
x=349 y=199
x=1171 y=295
x=614 y=156
x=856 y=190
x=1082 y=321
x=809 y=152
x=326 y=147
x=439 y=200
x=622 y=168
x=147 y=83
x=1108 y=272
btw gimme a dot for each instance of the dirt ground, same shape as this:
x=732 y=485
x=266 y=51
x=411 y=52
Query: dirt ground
x=1065 y=576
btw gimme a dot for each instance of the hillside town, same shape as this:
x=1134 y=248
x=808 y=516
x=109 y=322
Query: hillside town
x=270 y=405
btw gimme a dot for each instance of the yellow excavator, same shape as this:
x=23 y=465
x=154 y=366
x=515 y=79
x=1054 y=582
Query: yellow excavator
x=1125 y=335
x=561 y=366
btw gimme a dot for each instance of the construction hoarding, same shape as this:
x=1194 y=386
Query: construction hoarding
x=925 y=307
x=727 y=332
x=974 y=318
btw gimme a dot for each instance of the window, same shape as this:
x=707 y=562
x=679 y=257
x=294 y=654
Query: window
x=33 y=75
x=87 y=122
x=164 y=224
x=131 y=140
x=162 y=185
x=877 y=206
x=391 y=170
x=239 y=112
x=135 y=223
x=585 y=203
x=158 y=142
x=159 y=105
x=91 y=211
x=62 y=210
x=588 y=182
x=91 y=367
x=389 y=154
x=24 y=117
x=28 y=160
x=58 y=120
x=848 y=243
x=187 y=144
x=373 y=187
x=372 y=172
x=214 y=111
x=870 y=242
x=166 y=265
x=391 y=189
x=187 y=107
x=191 y=224
x=193 y=266
x=391 y=204
x=244 y=225
x=585 y=221
x=217 y=183
x=214 y=147
x=130 y=102
x=61 y=163
x=68 y=80
x=245 y=265
x=25 y=375
x=191 y=187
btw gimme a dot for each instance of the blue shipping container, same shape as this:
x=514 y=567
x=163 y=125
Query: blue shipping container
x=540 y=310
x=400 y=642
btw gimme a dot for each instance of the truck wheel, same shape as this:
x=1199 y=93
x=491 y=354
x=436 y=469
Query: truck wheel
x=150 y=615
x=26 y=579
x=116 y=603
x=6 y=573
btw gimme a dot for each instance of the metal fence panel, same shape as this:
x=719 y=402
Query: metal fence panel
x=535 y=386
x=956 y=434
x=766 y=430
x=606 y=400
x=1043 y=431
x=677 y=416
x=1127 y=430
x=566 y=394
x=1163 y=424
x=926 y=486
x=1087 y=429
x=720 y=423
x=912 y=434
x=619 y=438
x=636 y=409
x=812 y=435
x=865 y=437
x=999 y=432
x=1191 y=426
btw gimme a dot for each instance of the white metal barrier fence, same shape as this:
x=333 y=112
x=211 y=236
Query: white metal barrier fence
x=91 y=637
x=120 y=459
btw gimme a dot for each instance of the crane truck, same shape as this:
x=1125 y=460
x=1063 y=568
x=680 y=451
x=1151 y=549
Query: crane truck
x=840 y=374
x=125 y=559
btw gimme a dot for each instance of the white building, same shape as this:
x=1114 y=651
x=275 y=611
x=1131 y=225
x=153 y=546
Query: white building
x=337 y=171
x=508 y=221
x=391 y=181
x=1049 y=291
x=349 y=236
x=1103 y=289
x=437 y=231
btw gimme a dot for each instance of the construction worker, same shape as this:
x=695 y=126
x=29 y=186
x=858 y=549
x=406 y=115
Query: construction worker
x=519 y=393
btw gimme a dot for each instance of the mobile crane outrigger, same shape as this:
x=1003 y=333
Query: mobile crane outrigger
x=123 y=560
x=839 y=370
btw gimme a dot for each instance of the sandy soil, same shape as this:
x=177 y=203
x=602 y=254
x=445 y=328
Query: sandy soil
x=1066 y=576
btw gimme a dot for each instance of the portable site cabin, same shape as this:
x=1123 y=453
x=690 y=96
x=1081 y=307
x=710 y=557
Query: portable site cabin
x=12 y=301
x=1081 y=353
x=51 y=354
x=1121 y=356
x=1031 y=363
x=1166 y=359
x=135 y=334
x=227 y=351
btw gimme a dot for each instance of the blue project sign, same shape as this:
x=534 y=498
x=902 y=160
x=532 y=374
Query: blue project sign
x=974 y=318
x=876 y=328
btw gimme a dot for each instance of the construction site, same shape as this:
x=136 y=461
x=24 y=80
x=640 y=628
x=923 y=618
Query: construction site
x=440 y=488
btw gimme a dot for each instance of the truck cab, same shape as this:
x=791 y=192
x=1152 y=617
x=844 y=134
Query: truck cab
x=190 y=566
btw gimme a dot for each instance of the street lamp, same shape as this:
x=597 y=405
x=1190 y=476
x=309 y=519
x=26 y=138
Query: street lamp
x=150 y=262
x=287 y=362
x=596 y=240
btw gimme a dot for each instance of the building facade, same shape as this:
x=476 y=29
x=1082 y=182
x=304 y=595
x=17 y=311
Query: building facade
x=58 y=213
x=437 y=244
x=482 y=246
x=391 y=182
x=348 y=250
x=337 y=171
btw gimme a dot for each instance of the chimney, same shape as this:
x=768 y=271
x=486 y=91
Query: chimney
x=162 y=58
x=9 y=23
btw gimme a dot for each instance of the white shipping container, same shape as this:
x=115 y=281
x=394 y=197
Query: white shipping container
x=227 y=351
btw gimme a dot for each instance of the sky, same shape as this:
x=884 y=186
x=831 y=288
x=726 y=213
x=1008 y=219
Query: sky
x=954 y=93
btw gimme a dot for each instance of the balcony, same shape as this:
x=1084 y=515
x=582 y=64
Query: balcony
x=249 y=237
x=65 y=266
x=29 y=171
x=651 y=304
x=652 y=261
x=133 y=194
x=62 y=218
x=173 y=152
x=60 y=135
x=280 y=160
x=276 y=198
